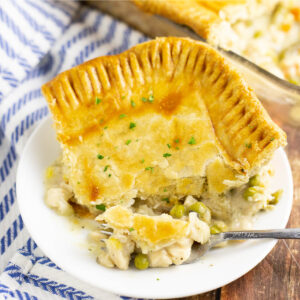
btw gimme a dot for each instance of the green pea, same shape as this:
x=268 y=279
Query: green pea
x=276 y=197
x=198 y=207
x=222 y=226
x=215 y=229
x=177 y=211
x=141 y=261
x=254 y=181
x=249 y=192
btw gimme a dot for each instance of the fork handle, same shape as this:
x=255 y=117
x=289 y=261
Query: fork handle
x=288 y=233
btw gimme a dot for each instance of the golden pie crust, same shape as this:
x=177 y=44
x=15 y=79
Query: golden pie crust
x=197 y=123
x=211 y=19
x=145 y=230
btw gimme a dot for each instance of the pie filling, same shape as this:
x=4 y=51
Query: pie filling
x=159 y=231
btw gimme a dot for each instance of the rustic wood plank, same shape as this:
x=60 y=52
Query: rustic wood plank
x=213 y=295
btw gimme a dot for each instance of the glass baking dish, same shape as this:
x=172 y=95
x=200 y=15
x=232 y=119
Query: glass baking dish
x=280 y=98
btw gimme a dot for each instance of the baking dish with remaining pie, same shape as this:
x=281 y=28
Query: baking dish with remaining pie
x=164 y=144
x=267 y=32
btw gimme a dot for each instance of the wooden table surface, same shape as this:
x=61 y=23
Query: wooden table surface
x=277 y=277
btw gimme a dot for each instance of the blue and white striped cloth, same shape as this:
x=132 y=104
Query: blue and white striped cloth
x=39 y=39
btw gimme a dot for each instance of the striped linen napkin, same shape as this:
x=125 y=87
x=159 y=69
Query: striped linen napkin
x=38 y=40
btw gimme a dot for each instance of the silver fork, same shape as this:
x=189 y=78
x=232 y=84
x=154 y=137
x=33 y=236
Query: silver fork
x=199 y=250
x=106 y=230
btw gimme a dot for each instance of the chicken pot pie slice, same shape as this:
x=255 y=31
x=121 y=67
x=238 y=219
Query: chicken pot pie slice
x=166 y=122
x=264 y=31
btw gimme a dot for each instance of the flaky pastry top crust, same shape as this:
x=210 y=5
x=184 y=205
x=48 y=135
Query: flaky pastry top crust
x=195 y=120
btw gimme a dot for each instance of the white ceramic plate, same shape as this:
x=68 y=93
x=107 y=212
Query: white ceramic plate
x=64 y=246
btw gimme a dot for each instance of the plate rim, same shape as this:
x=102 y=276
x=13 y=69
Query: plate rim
x=154 y=295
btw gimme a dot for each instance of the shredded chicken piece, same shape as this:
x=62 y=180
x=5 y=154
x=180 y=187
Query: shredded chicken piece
x=119 y=252
x=159 y=258
x=180 y=251
x=105 y=260
x=57 y=198
x=176 y=254
x=199 y=230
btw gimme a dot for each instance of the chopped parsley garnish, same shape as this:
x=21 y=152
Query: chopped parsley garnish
x=105 y=127
x=98 y=100
x=131 y=229
x=109 y=175
x=176 y=141
x=122 y=116
x=169 y=146
x=248 y=145
x=192 y=141
x=157 y=279
x=78 y=182
x=142 y=161
x=149 y=169
x=105 y=168
x=101 y=207
x=128 y=142
x=132 y=125
x=272 y=139
x=101 y=121
x=151 y=98
x=132 y=103
x=99 y=156
x=167 y=154
x=177 y=148
x=165 y=190
x=166 y=200
x=123 y=97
